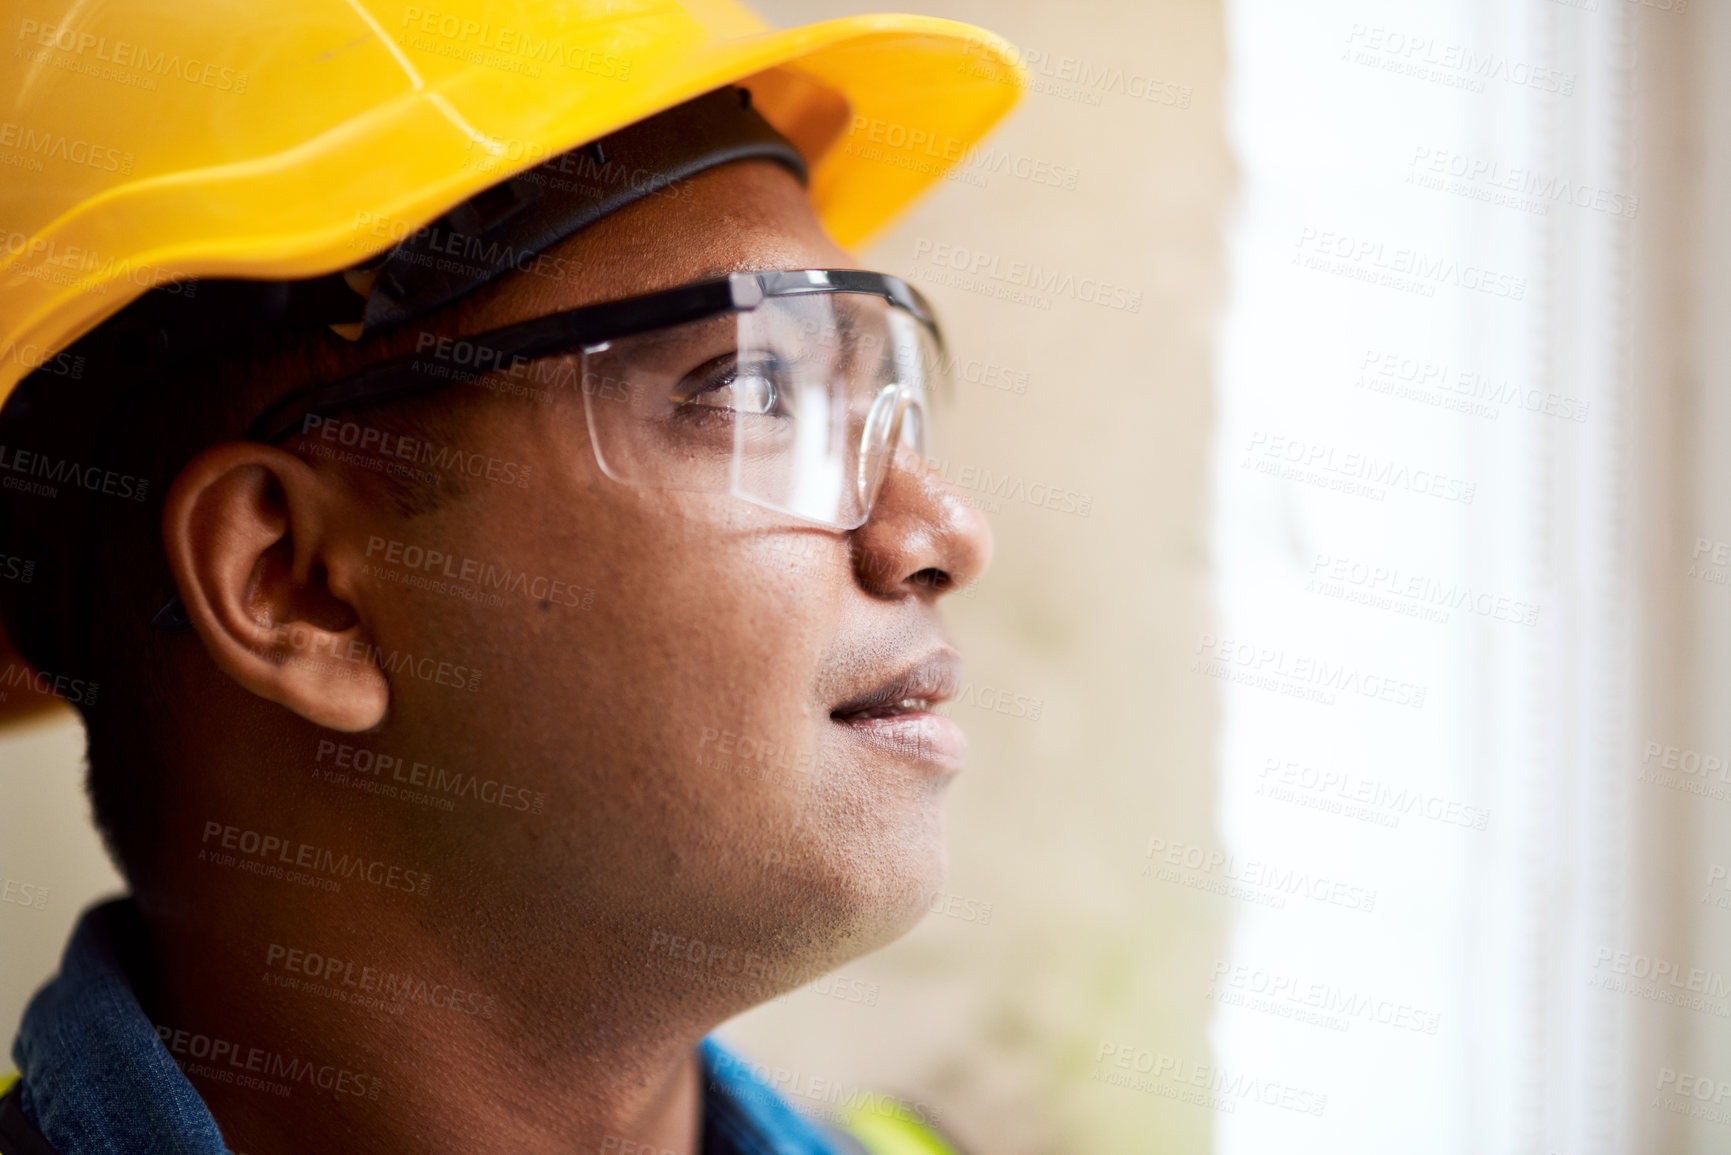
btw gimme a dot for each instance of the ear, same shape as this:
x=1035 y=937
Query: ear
x=245 y=529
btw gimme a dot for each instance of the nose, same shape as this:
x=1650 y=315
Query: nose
x=924 y=536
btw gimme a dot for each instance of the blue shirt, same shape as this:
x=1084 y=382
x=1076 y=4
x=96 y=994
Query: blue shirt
x=96 y=1078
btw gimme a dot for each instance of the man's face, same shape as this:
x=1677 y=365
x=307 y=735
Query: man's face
x=707 y=694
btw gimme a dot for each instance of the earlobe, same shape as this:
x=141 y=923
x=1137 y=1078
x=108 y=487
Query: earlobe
x=244 y=527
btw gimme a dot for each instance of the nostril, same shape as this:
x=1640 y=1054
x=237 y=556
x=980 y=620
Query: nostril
x=932 y=576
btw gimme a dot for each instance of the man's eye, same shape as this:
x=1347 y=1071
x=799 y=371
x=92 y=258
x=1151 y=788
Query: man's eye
x=725 y=384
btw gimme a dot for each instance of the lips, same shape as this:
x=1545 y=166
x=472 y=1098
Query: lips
x=916 y=689
x=896 y=714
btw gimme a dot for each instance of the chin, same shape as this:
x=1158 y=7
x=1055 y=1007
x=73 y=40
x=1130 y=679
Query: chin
x=865 y=892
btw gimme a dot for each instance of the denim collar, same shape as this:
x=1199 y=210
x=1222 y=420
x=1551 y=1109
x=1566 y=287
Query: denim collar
x=97 y=1079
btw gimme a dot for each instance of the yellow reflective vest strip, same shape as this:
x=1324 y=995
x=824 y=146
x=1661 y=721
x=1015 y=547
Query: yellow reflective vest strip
x=893 y=1134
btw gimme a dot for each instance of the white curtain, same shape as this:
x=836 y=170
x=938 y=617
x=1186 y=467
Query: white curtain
x=1450 y=526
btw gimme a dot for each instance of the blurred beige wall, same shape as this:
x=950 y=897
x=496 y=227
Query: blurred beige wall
x=1089 y=733
x=1684 y=293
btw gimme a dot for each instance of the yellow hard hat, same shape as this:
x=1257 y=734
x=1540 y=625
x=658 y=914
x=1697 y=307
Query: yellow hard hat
x=149 y=141
x=153 y=140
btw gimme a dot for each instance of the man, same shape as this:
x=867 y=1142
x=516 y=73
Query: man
x=502 y=596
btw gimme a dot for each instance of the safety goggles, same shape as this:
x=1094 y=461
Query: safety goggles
x=788 y=389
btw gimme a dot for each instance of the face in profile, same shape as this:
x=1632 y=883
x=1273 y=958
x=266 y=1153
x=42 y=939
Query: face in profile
x=721 y=712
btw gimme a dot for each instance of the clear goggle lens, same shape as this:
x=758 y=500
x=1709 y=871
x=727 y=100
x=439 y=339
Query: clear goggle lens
x=795 y=405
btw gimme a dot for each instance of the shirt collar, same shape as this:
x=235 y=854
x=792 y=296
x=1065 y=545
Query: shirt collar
x=96 y=1078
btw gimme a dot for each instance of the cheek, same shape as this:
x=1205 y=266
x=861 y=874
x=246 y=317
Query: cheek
x=696 y=660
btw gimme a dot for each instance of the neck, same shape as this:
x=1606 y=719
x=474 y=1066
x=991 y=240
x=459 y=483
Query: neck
x=389 y=1036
